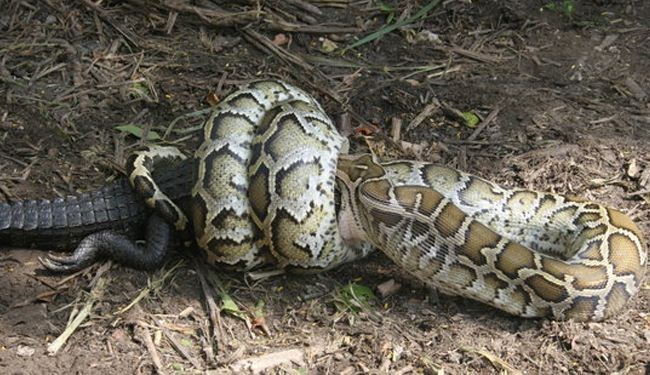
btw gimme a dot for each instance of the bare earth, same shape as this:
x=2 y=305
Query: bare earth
x=564 y=100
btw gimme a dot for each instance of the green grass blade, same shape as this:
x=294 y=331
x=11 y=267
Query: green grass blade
x=388 y=28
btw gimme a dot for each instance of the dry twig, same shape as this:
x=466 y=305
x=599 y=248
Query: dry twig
x=142 y=330
x=182 y=351
x=490 y=117
x=96 y=294
x=217 y=336
x=265 y=44
x=211 y=16
x=423 y=115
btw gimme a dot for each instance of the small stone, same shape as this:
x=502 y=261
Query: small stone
x=632 y=169
x=280 y=39
x=388 y=288
x=50 y=19
x=25 y=351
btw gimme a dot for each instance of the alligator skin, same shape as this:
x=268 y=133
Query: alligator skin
x=62 y=223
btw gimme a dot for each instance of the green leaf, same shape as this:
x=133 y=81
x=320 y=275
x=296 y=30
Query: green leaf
x=569 y=8
x=388 y=9
x=177 y=366
x=229 y=306
x=354 y=297
x=385 y=7
x=137 y=131
x=565 y=7
x=258 y=311
x=360 y=291
x=471 y=120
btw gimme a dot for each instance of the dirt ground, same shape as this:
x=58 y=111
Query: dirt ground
x=562 y=100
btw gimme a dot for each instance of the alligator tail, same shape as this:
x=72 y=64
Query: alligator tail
x=61 y=223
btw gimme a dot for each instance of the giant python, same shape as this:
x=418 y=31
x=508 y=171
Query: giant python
x=272 y=183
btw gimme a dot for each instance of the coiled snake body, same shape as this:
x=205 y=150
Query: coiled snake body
x=265 y=190
x=265 y=186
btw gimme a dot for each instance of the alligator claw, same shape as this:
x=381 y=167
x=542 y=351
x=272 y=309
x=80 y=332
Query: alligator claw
x=112 y=245
x=86 y=253
x=61 y=259
x=61 y=264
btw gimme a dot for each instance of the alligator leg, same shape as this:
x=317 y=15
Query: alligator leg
x=109 y=244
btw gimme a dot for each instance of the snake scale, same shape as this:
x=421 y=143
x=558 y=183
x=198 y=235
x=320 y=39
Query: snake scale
x=272 y=183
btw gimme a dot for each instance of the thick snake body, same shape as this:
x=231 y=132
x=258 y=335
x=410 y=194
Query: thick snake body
x=531 y=254
x=265 y=186
x=262 y=188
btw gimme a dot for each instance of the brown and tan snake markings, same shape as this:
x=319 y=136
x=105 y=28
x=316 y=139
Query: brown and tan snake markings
x=265 y=182
x=528 y=253
x=266 y=179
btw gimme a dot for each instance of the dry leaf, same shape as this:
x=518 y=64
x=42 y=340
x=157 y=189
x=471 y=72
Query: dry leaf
x=212 y=99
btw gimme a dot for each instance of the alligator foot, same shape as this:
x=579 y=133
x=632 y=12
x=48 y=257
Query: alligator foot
x=111 y=245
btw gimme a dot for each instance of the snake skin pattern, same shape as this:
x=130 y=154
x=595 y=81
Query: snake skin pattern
x=265 y=182
x=528 y=253
x=265 y=187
